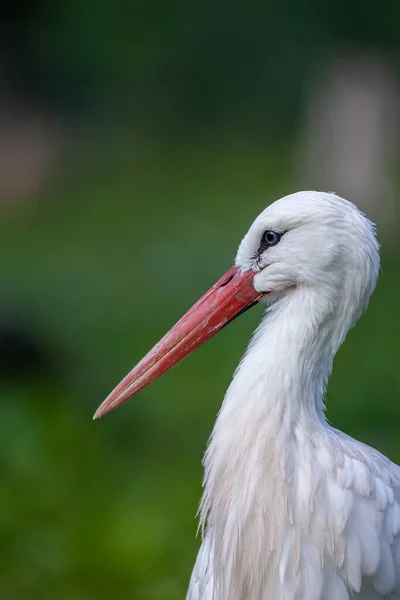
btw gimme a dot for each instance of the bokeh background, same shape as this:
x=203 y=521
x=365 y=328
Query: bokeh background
x=138 y=140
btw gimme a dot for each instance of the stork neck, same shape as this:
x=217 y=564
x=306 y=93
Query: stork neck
x=284 y=373
x=272 y=411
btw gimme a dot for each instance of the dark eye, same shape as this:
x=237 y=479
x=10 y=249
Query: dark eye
x=271 y=238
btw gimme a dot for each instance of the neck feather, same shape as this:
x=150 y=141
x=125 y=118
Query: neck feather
x=273 y=407
x=287 y=364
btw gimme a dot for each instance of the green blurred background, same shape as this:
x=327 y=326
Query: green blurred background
x=137 y=143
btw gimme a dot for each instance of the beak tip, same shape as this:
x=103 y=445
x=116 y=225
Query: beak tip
x=100 y=412
x=96 y=415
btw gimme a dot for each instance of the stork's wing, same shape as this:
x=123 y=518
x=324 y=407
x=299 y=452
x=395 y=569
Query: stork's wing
x=342 y=537
x=347 y=525
x=371 y=535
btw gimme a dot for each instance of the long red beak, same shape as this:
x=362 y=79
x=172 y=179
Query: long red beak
x=230 y=296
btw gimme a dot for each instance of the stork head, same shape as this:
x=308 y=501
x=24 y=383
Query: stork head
x=309 y=241
x=313 y=240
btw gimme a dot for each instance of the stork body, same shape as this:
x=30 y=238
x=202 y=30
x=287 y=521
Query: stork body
x=292 y=508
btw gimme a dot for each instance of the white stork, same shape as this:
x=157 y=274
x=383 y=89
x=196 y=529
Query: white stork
x=292 y=508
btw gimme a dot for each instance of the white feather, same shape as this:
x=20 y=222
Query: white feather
x=293 y=509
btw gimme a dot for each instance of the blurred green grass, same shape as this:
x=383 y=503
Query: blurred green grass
x=123 y=242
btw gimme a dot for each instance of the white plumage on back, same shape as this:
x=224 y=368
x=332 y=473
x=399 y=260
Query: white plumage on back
x=292 y=508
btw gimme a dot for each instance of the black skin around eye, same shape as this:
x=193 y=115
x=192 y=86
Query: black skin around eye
x=270 y=238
